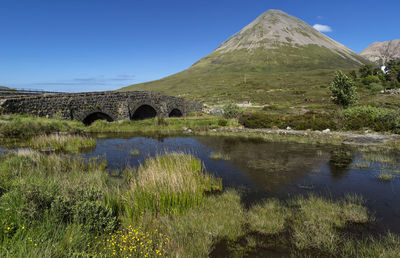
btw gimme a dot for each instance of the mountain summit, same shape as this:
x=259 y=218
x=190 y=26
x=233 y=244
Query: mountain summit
x=259 y=55
x=274 y=28
x=382 y=52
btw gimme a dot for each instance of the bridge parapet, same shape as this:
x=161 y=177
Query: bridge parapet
x=110 y=105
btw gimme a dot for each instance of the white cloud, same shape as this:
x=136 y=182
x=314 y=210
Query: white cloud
x=322 y=28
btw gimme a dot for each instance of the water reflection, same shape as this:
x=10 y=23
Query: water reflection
x=340 y=161
x=281 y=170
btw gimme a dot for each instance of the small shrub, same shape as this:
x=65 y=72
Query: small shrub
x=94 y=217
x=232 y=110
x=222 y=122
x=371 y=79
x=311 y=120
x=261 y=120
x=38 y=199
x=375 y=87
x=62 y=209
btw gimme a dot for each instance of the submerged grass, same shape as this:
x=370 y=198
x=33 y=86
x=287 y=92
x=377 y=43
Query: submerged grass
x=386 y=177
x=268 y=218
x=219 y=156
x=194 y=233
x=315 y=221
x=135 y=152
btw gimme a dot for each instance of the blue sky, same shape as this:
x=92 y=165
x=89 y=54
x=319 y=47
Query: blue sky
x=89 y=45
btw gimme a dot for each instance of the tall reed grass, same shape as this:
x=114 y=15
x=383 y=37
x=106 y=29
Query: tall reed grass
x=170 y=184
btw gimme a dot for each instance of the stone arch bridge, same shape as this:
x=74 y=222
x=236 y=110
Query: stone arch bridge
x=109 y=105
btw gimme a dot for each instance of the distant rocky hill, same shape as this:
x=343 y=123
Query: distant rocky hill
x=381 y=52
x=275 y=51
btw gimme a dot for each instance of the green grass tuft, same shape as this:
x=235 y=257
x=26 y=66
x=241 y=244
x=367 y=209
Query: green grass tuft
x=170 y=184
x=65 y=143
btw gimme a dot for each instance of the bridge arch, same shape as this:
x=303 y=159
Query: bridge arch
x=175 y=113
x=144 y=111
x=98 y=115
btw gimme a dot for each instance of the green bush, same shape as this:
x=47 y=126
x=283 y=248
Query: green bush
x=310 y=120
x=222 y=122
x=343 y=90
x=378 y=119
x=371 y=79
x=37 y=200
x=231 y=110
x=260 y=120
x=375 y=87
x=94 y=217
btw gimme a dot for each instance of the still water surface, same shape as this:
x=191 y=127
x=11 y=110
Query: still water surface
x=282 y=170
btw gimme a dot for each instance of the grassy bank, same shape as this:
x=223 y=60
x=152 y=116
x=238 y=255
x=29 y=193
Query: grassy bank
x=55 y=205
x=352 y=119
x=28 y=126
x=165 y=126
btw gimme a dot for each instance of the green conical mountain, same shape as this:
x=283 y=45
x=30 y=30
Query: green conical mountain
x=275 y=53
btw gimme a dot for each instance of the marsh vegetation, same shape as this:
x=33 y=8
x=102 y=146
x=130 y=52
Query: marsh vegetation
x=176 y=196
x=57 y=206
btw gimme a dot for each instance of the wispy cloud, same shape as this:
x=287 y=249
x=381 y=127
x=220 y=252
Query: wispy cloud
x=86 y=79
x=126 y=75
x=123 y=77
x=66 y=83
x=89 y=83
x=322 y=28
x=319 y=17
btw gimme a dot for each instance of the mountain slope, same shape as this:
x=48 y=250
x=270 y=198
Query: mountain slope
x=382 y=52
x=275 y=53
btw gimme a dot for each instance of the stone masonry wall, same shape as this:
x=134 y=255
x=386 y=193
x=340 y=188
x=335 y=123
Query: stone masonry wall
x=117 y=105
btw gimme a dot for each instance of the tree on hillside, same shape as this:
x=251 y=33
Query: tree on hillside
x=366 y=70
x=392 y=71
x=343 y=90
x=353 y=75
